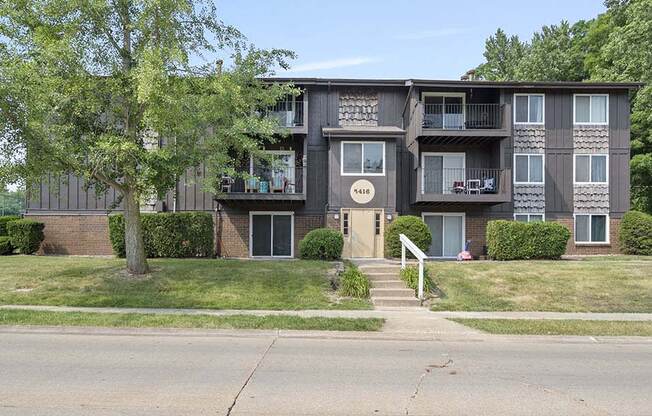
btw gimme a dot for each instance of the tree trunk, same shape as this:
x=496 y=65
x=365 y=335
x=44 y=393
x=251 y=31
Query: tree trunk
x=134 y=245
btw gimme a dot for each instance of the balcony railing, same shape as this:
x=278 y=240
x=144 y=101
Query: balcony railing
x=472 y=181
x=462 y=116
x=272 y=180
x=289 y=113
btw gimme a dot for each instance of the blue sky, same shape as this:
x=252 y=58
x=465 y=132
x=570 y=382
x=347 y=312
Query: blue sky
x=392 y=39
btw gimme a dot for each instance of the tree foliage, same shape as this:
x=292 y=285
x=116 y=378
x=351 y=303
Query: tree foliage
x=94 y=88
x=615 y=46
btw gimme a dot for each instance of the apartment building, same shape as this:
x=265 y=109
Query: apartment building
x=361 y=152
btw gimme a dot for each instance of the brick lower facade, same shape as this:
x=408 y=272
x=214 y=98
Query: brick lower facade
x=75 y=234
x=591 y=249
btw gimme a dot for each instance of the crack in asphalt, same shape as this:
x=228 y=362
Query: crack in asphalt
x=426 y=371
x=251 y=374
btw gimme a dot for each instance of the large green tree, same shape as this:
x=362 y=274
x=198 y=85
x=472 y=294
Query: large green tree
x=615 y=46
x=94 y=87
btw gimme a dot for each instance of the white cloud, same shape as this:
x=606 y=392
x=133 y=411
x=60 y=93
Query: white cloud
x=332 y=64
x=433 y=33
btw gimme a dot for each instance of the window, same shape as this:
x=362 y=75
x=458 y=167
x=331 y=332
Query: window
x=528 y=169
x=591 y=108
x=528 y=108
x=363 y=158
x=591 y=228
x=271 y=234
x=591 y=168
x=526 y=217
x=377 y=223
x=345 y=223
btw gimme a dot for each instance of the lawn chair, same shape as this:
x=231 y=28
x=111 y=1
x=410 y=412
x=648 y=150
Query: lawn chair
x=458 y=187
x=488 y=186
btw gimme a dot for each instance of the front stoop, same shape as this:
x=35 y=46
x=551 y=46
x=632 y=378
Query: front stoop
x=387 y=289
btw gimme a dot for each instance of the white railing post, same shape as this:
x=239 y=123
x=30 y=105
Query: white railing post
x=402 y=255
x=420 y=278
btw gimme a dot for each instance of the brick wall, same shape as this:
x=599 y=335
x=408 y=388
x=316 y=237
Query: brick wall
x=579 y=249
x=75 y=234
x=476 y=231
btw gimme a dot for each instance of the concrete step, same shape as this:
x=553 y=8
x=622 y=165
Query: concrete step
x=395 y=301
x=382 y=276
x=388 y=284
x=391 y=292
x=380 y=269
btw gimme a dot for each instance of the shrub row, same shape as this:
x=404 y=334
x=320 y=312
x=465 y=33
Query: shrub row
x=354 y=283
x=514 y=240
x=5 y=246
x=24 y=235
x=636 y=233
x=322 y=244
x=184 y=234
x=3 y=223
x=413 y=227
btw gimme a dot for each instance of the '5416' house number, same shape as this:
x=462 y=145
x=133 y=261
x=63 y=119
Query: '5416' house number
x=362 y=191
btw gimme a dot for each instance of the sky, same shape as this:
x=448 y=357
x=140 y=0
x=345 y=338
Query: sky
x=392 y=39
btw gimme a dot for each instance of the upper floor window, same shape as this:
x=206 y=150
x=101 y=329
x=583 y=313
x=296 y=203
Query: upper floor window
x=527 y=217
x=528 y=169
x=591 y=109
x=363 y=158
x=528 y=108
x=591 y=168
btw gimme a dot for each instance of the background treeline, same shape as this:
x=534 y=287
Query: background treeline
x=614 y=46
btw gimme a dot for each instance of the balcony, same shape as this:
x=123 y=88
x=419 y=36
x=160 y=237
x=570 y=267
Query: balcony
x=291 y=114
x=459 y=185
x=452 y=123
x=283 y=183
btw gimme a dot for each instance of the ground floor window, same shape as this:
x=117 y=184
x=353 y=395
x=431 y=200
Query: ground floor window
x=591 y=228
x=529 y=217
x=271 y=234
x=447 y=231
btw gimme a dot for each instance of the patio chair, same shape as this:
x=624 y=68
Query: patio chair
x=458 y=187
x=473 y=186
x=488 y=186
x=278 y=182
x=225 y=183
x=251 y=185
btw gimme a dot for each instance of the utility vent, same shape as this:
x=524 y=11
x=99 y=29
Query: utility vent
x=469 y=75
x=358 y=108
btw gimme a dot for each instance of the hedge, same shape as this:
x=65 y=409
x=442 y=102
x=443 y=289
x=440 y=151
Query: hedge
x=5 y=246
x=321 y=244
x=354 y=283
x=3 y=223
x=183 y=234
x=515 y=240
x=26 y=235
x=413 y=227
x=635 y=234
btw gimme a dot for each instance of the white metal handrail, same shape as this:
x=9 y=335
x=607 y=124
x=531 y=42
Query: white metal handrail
x=416 y=252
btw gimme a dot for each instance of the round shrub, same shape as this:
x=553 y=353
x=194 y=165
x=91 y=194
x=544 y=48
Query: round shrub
x=413 y=227
x=5 y=246
x=354 y=283
x=514 y=240
x=322 y=244
x=26 y=235
x=3 y=223
x=635 y=233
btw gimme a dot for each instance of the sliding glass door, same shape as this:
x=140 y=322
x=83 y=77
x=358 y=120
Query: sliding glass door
x=271 y=234
x=447 y=231
x=443 y=173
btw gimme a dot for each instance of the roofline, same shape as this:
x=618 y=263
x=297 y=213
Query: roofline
x=458 y=83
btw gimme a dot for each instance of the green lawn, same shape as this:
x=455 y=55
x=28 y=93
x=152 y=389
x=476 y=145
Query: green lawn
x=593 y=284
x=137 y=320
x=173 y=283
x=559 y=327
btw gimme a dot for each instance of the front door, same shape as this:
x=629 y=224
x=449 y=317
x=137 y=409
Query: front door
x=363 y=232
x=447 y=231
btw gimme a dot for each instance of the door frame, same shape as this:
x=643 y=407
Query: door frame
x=443 y=154
x=447 y=214
x=251 y=233
x=444 y=95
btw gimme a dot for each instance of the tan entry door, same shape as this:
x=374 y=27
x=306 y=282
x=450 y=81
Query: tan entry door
x=363 y=232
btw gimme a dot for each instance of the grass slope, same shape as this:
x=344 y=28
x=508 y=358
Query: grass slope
x=559 y=327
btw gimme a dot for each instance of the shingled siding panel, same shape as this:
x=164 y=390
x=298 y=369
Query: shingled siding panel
x=358 y=107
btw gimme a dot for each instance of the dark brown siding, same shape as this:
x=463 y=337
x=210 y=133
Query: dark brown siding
x=559 y=153
x=619 y=149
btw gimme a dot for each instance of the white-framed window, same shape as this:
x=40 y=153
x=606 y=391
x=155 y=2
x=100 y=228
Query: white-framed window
x=591 y=228
x=448 y=231
x=271 y=233
x=529 y=217
x=529 y=108
x=591 y=109
x=362 y=158
x=529 y=168
x=591 y=168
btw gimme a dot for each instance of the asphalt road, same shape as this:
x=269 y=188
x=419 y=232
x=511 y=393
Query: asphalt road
x=128 y=373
